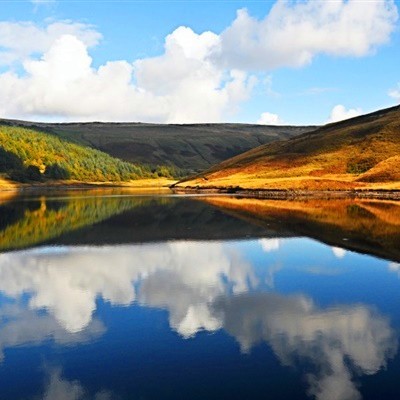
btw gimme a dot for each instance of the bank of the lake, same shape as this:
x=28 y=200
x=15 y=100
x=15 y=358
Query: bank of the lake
x=150 y=183
x=283 y=194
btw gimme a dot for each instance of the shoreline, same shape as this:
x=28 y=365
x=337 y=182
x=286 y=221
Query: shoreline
x=149 y=184
x=290 y=194
x=168 y=184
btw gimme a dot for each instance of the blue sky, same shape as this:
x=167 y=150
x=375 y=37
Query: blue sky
x=280 y=62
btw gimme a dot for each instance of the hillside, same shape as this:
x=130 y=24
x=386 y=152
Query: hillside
x=361 y=152
x=28 y=155
x=191 y=148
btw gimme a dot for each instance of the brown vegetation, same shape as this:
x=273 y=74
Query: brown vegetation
x=362 y=152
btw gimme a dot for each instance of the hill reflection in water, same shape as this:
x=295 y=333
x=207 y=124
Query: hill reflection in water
x=368 y=226
x=128 y=306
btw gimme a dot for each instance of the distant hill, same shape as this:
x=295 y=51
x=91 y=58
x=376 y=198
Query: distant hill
x=356 y=153
x=191 y=148
x=28 y=155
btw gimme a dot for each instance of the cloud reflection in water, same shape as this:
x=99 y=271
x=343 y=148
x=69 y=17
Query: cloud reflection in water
x=338 y=342
x=204 y=286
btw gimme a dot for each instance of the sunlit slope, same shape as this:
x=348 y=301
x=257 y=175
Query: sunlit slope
x=366 y=226
x=190 y=147
x=359 y=152
x=30 y=155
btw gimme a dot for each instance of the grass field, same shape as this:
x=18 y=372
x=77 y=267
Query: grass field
x=362 y=152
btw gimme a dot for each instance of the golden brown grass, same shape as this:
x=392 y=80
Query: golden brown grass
x=359 y=153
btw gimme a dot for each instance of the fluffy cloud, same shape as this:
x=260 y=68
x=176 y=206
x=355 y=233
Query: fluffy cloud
x=340 y=113
x=180 y=86
x=198 y=78
x=294 y=32
x=395 y=93
x=267 y=118
x=21 y=40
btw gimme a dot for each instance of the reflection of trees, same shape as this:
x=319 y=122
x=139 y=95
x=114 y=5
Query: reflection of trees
x=369 y=226
x=27 y=223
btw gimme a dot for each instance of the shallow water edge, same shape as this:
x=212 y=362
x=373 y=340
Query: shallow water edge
x=283 y=194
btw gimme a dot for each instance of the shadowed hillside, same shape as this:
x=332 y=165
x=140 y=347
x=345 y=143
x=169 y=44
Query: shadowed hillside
x=191 y=148
x=356 y=153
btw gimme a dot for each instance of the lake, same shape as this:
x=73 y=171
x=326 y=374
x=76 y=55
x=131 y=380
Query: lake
x=118 y=295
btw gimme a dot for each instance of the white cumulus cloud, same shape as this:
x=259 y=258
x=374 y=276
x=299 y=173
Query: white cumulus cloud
x=339 y=113
x=20 y=40
x=48 y=74
x=395 y=93
x=293 y=33
x=267 y=118
x=179 y=86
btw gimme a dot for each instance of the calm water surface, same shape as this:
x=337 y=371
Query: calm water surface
x=119 y=296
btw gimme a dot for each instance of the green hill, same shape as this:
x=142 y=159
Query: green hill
x=190 y=148
x=28 y=155
x=361 y=152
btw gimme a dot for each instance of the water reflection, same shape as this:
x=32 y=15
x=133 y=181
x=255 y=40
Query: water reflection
x=184 y=276
x=70 y=219
x=204 y=286
x=338 y=252
x=60 y=388
x=32 y=221
x=22 y=326
x=316 y=307
x=368 y=226
x=338 y=343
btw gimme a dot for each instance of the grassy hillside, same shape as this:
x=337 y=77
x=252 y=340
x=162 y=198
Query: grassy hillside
x=356 y=153
x=191 y=148
x=28 y=155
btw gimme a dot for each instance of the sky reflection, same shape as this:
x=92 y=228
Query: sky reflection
x=233 y=287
